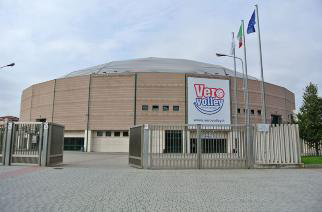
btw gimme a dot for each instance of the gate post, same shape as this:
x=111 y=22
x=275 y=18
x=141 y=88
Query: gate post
x=198 y=146
x=250 y=147
x=4 y=136
x=44 y=143
x=145 y=146
x=8 y=143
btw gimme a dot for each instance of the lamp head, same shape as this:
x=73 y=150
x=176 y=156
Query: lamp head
x=220 y=55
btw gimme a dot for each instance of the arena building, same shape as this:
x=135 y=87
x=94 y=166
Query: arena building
x=98 y=105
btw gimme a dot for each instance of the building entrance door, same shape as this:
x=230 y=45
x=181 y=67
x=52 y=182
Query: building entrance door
x=74 y=144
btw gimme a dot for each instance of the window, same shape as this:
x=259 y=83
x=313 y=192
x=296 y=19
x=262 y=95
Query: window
x=125 y=133
x=276 y=119
x=252 y=112
x=175 y=107
x=165 y=107
x=117 y=134
x=145 y=107
x=259 y=112
x=155 y=107
x=108 y=133
x=99 y=133
x=238 y=110
x=244 y=110
x=173 y=141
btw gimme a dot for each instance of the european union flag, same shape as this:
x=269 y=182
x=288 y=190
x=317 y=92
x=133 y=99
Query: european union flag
x=251 y=24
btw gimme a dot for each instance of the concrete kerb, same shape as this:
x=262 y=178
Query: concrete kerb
x=278 y=166
x=310 y=166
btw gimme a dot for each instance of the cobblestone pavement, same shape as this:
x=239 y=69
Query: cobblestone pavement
x=104 y=182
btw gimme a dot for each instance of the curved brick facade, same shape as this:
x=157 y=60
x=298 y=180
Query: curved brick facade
x=113 y=102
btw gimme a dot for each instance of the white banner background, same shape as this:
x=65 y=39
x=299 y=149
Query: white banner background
x=208 y=107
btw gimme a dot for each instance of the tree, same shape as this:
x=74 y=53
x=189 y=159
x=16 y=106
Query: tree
x=310 y=117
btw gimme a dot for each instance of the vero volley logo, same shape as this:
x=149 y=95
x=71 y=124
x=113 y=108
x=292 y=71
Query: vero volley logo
x=209 y=100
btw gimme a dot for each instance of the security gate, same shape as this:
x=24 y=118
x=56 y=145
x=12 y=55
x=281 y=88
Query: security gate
x=26 y=143
x=135 y=148
x=215 y=146
x=31 y=143
x=192 y=146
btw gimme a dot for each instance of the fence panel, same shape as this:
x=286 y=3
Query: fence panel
x=213 y=146
x=31 y=143
x=223 y=146
x=278 y=145
x=309 y=149
x=26 y=143
x=136 y=146
x=55 y=144
x=173 y=146
x=2 y=135
x=197 y=146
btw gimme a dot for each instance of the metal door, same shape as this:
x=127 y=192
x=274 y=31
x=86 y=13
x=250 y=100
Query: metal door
x=26 y=143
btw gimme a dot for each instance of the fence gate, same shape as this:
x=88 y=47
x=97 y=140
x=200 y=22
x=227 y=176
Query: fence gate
x=193 y=146
x=26 y=143
x=223 y=146
x=31 y=143
x=214 y=146
x=135 y=146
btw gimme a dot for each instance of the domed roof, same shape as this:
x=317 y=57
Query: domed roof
x=153 y=64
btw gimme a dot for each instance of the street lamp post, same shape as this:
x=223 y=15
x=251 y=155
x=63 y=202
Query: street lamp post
x=244 y=79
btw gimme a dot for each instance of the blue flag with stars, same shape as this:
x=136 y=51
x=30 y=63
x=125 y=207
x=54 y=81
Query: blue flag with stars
x=251 y=24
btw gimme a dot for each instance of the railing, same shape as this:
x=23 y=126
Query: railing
x=213 y=146
x=2 y=135
x=31 y=143
x=309 y=149
x=26 y=142
x=279 y=145
x=135 y=146
x=190 y=146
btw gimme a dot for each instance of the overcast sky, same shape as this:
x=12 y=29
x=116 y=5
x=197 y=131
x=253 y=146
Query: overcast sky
x=48 y=39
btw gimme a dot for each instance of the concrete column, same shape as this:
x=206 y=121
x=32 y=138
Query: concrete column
x=88 y=141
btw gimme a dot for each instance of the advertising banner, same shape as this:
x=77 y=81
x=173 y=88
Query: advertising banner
x=208 y=101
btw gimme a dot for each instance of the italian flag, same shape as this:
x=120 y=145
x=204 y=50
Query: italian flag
x=240 y=36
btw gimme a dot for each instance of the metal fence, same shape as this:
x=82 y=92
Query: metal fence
x=135 y=146
x=2 y=135
x=280 y=144
x=212 y=146
x=190 y=146
x=26 y=143
x=32 y=143
x=309 y=149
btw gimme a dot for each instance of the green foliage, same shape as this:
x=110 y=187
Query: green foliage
x=310 y=117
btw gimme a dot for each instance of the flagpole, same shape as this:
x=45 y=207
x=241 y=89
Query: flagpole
x=249 y=142
x=246 y=81
x=235 y=80
x=261 y=65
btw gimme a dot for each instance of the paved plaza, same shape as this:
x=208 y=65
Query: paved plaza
x=104 y=182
